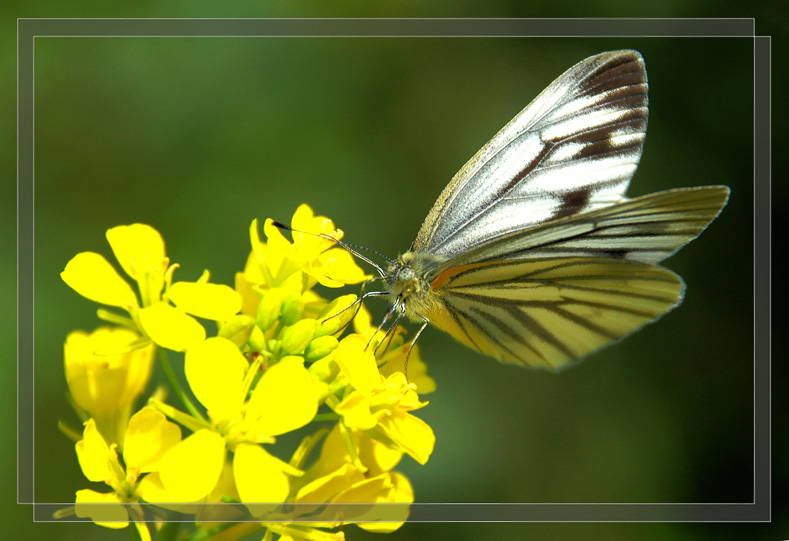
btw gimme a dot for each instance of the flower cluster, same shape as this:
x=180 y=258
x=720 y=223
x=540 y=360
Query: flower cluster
x=278 y=363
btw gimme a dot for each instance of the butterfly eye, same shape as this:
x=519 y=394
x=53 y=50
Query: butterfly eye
x=405 y=275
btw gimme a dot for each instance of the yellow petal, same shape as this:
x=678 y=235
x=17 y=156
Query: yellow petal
x=217 y=302
x=90 y=275
x=259 y=478
x=333 y=454
x=417 y=369
x=94 y=455
x=338 y=267
x=139 y=248
x=410 y=433
x=170 y=327
x=357 y=363
x=151 y=490
x=149 y=436
x=355 y=411
x=277 y=256
x=376 y=455
x=225 y=488
x=305 y=220
x=274 y=238
x=403 y=493
x=246 y=285
x=395 y=391
x=190 y=470
x=215 y=371
x=370 y=490
x=325 y=488
x=105 y=373
x=285 y=398
x=362 y=322
x=103 y=509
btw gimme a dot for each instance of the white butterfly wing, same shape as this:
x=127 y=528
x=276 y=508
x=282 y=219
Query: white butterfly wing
x=573 y=149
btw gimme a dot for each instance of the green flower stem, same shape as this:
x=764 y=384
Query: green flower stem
x=112 y=317
x=184 y=419
x=350 y=446
x=305 y=448
x=179 y=391
x=69 y=432
x=69 y=511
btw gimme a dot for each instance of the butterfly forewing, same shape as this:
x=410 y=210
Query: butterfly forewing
x=547 y=312
x=573 y=149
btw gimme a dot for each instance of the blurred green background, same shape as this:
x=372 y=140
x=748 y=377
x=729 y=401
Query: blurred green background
x=197 y=137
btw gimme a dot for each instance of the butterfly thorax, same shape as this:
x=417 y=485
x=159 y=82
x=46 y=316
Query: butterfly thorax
x=408 y=278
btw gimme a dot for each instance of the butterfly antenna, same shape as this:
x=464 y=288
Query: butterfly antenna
x=349 y=247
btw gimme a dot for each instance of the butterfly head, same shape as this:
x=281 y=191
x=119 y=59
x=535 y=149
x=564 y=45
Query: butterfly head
x=402 y=277
x=409 y=275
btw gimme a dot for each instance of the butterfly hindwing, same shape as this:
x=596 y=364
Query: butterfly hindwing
x=547 y=312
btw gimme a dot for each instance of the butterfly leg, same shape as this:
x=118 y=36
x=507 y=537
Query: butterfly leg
x=385 y=319
x=425 y=321
x=391 y=331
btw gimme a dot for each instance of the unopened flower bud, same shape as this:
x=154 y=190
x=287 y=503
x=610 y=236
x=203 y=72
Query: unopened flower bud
x=320 y=347
x=257 y=340
x=325 y=369
x=296 y=337
x=292 y=308
x=238 y=329
x=336 y=315
x=269 y=309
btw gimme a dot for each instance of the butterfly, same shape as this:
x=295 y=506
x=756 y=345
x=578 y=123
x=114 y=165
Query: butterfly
x=532 y=254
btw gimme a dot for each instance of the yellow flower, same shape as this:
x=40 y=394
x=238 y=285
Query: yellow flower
x=140 y=251
x=105 y=373
x=381 y=406
x=284 y=399
x=272 y=262
x=393 y=358
x=254 y=385
x=148 y=438
x=334 y=479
